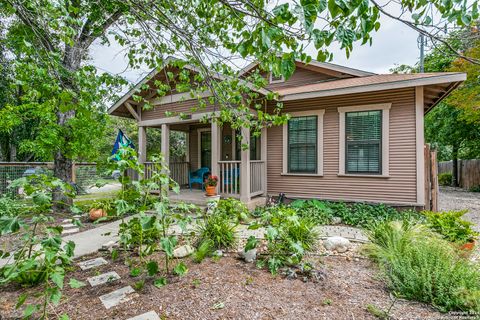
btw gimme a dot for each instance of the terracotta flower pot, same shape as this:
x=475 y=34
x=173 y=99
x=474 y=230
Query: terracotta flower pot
x=211 y=191
x=95 y=214
x=468 y=246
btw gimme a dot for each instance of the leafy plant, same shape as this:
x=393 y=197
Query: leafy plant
x=104 y=204
x=211 y=181
x=319 y=211
x=451 y=225
x=203 y=250
x=445 y=179
x=233 y=208
x=180 y=269
x=217 y=228
x=288 y=237
x=10 y=207
x=474 y=189
x=419 y=265
x=140 y=232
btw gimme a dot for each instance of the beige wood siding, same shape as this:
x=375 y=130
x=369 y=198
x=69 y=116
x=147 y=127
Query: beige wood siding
x=182 y=106
x=400 y=188
x=300 y=77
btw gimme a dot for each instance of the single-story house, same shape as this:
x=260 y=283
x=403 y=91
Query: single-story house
x=353 y=135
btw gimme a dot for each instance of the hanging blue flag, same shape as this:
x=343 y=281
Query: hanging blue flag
x=121 y=141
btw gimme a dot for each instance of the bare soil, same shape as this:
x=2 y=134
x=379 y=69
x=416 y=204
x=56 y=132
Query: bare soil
x=232 y=289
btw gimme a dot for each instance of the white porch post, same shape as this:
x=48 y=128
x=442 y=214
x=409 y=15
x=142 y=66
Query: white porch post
x=245 y=167
x=165 y=147
x=216 y=140
x=263 y=149
x=142 y=144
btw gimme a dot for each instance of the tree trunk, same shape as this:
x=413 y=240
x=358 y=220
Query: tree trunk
x=455 y=166
x=63 y=165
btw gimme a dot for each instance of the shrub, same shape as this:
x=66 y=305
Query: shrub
x=217 y=228
x=445 y=179
x=418 y=265
x=474 y=189
x=233 y=209
x=139 y=231
x=451 y=225
x=10 y=207
x=288 y=237
x=355 y=214
x=319 y=211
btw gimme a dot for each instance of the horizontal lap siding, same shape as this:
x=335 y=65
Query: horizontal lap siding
x=182 y=106
x=300 y=77
x=399 y=188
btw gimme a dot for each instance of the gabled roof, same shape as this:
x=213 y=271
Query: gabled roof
x=156 y=71
x=320 y=65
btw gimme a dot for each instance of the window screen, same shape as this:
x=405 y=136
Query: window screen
x=363 y=142
x=302 y=144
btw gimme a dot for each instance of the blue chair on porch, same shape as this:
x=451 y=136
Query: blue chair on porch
x=198 y=177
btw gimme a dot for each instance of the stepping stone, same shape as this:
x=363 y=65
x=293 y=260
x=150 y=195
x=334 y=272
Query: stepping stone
x=116 y=297
x=66 y=220
x=68 y=225
x=89 y=264
x=151 y=315
x=68 y=231
x=103 y=278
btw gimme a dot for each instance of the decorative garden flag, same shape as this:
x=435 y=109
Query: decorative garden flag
x=122 y=141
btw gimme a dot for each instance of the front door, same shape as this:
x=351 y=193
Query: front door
x=206 y=149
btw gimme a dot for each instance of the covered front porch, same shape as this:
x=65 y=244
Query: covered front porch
x=217 y=150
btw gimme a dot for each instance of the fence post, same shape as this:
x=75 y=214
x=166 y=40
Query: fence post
x=74 y=172
x=434 y=179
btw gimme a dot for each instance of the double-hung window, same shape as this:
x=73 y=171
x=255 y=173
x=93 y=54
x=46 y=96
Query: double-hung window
x=364 y=140
x=363 y=135
x=303 y=143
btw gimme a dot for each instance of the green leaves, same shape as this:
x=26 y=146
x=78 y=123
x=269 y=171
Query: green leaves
x=252 y=243
x=160 y=282
x=152 y=268
x=180 y=269
x=75 y=284
x=168 y=244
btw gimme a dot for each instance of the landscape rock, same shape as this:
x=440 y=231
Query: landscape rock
x=218 y=253
x=183 y=251
x=249 y=256
x=336 y=243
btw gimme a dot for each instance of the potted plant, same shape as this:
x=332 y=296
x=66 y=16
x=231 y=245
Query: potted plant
x=99 y=209
x=211 y=185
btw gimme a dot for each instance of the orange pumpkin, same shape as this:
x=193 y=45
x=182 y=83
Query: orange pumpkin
x=96 y=214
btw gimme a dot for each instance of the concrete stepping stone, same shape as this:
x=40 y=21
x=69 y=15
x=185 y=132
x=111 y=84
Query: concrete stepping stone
x=68 y=231
x=68 y=225
x=116 y=297
x=89 y=264
x=151 y=315
x=103 y=278
x=67 y=220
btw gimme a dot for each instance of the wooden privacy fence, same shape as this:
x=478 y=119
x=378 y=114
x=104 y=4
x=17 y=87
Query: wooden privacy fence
x=468 y=172
x=431 y=179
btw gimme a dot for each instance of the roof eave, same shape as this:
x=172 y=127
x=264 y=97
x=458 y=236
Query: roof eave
x=456 y=77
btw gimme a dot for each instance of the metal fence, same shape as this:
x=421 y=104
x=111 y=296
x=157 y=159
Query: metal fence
x=85 y=174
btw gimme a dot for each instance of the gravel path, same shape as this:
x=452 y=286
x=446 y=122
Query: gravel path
x=458 y=199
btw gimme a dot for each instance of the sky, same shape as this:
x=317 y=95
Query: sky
x=393 y=44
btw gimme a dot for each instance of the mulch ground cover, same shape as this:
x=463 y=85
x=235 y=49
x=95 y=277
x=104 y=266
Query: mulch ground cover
x=229 y=288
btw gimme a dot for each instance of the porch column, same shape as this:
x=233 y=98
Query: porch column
x=263 y=149
x=165 y=146
x=216 y=140
x=245 y=166
x=142 y=144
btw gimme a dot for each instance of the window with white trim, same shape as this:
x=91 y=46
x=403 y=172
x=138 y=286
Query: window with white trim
x=363 y=133
x=364 y=140
x=303 y=143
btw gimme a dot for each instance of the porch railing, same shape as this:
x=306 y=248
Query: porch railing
x=179 y=172
x=257 y=177
x=229 y=179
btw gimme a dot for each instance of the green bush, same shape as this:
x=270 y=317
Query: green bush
x=445 y=179
x=233 y=208
x=419 y=265
x=217 y=229
x=288 y=237
x=451 y=225
x=474 y=189
x=10 y=207
x=355 y=214
x=319 y=211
